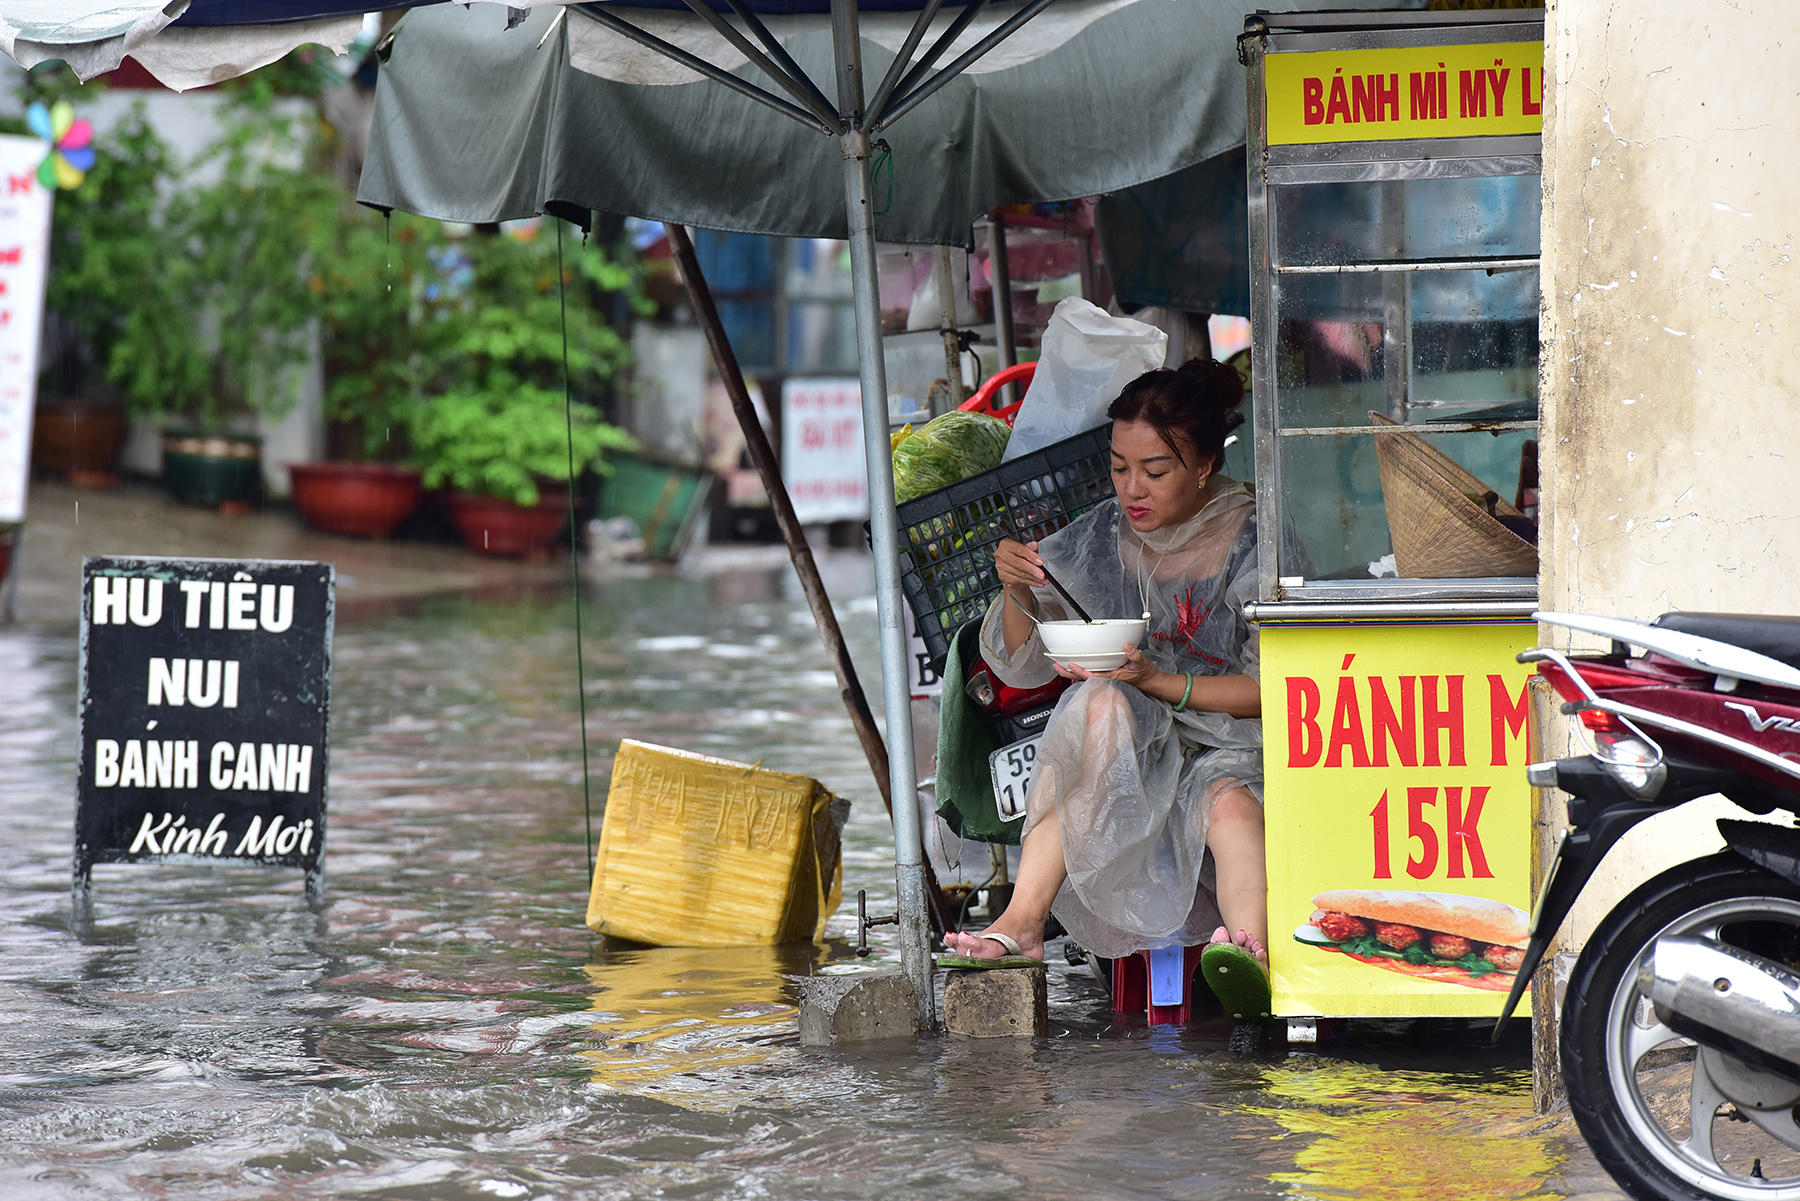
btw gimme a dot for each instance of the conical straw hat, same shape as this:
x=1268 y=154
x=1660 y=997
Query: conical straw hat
x=1436 y=515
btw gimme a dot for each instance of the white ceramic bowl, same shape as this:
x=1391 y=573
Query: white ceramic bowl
x=1091 y=645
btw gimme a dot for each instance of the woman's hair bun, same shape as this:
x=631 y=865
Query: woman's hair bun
x=1221 y=379
x=1196 y=404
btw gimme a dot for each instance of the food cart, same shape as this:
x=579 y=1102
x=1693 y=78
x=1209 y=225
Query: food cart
x=1394 y=203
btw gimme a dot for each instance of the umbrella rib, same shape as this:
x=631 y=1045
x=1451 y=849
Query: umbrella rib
x=748 y=49
x=919 y=94
x=701 y=67
x=898 y=67
x=819 y=103
x=937 y=51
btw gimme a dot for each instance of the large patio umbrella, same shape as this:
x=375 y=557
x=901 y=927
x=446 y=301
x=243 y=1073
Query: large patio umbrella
x=568 y=112
x=488 y=113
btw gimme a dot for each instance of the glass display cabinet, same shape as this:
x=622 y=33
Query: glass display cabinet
x=1394 y=197
x=1394 y=213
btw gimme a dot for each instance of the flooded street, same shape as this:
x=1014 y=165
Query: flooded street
x=447 y=1028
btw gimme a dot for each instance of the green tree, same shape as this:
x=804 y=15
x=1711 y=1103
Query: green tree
x=390 y=309
x=242 y=275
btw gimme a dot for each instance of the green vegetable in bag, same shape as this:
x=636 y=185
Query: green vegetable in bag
x=947 y=450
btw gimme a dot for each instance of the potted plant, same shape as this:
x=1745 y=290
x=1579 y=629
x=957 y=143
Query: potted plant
x=501 y=434
x=506 y=456
x=226 y=329
x=387 y=325
x=108 y=257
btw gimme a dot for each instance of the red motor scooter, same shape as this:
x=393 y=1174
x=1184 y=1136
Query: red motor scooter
x=1680 y=1032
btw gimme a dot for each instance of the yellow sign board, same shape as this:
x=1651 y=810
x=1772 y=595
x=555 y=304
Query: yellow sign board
x=1407 y=92
x=1398 y=816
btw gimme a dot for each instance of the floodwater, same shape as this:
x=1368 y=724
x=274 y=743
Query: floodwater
x=445 y=1027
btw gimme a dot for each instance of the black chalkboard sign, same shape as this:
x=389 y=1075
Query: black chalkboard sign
x=205 y=709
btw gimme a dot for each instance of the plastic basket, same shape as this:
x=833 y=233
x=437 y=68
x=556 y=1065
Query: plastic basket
x=947 y=537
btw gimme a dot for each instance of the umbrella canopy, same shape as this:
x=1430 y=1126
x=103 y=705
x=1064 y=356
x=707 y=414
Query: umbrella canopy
x=474 y=122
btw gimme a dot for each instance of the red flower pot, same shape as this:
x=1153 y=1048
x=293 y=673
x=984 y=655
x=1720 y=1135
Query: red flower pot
x=493 y=525
x=79 y=441
x=360 y=500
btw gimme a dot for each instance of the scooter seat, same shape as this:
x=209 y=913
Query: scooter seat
x=1776 y=637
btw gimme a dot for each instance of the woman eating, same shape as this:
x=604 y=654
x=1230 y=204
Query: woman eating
x=1144 y=768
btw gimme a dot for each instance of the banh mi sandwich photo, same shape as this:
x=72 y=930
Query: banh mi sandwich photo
x=1434 y=936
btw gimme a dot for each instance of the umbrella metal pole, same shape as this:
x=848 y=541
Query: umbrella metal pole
x=1000 y=277
x=946 y=290
x=884 y=520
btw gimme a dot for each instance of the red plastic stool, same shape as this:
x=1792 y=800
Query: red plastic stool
x=985 y=397
x=1158 y=984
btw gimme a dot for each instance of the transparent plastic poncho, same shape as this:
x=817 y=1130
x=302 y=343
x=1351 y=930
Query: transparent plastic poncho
x=1130 y=781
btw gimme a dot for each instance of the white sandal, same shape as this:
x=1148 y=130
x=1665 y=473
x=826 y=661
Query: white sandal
x=1015 y=956
x=1007 y=943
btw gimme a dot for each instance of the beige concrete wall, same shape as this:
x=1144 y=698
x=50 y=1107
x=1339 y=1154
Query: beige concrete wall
x=1671 y=329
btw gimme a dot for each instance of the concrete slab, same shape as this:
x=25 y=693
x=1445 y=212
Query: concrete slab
x=997 y=1003
x=853 y=1009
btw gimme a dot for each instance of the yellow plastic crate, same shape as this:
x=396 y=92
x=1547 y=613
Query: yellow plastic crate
x=704 y=852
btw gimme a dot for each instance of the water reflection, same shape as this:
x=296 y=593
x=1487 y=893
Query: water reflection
x=1399 y=1135
x=669 y=1021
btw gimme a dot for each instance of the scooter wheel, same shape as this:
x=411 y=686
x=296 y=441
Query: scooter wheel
x=1668 y=1119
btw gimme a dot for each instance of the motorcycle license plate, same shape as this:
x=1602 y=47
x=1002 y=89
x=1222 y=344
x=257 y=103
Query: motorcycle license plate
x=1012 y=768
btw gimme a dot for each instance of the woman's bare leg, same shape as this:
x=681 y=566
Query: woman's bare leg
x=1041 y=875
x=1042 y=868
x=1235 y=835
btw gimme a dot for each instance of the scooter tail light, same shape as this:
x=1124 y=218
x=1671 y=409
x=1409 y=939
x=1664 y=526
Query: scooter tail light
x=1569 y=689
x=1560 y=680
x=1602 y=723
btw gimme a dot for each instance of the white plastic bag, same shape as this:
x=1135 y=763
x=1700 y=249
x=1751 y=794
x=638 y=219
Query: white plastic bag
x=1087 y=359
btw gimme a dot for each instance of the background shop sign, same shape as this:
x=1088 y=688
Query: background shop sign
x=1394 y=760
x=24 y=250
x=205 y=707
x=822 y=458
x=1405 y=92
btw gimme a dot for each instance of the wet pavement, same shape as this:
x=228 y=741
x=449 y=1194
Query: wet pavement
x=446 y=1027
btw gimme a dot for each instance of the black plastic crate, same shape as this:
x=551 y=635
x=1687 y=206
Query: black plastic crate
x=947 y=537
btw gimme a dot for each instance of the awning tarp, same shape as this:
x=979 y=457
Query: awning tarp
x=475 y=122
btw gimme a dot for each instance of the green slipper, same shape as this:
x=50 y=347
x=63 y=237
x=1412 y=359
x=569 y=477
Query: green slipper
x=965 y=963
x=1013 y=958
x=1238 y=980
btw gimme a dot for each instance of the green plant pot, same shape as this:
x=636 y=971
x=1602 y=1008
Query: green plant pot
x=665 y=501
x=212 y=469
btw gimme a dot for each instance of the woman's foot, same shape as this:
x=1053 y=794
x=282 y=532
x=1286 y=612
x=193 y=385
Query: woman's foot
x=980 y=946
x=1247 y=941
x=1237 y=971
